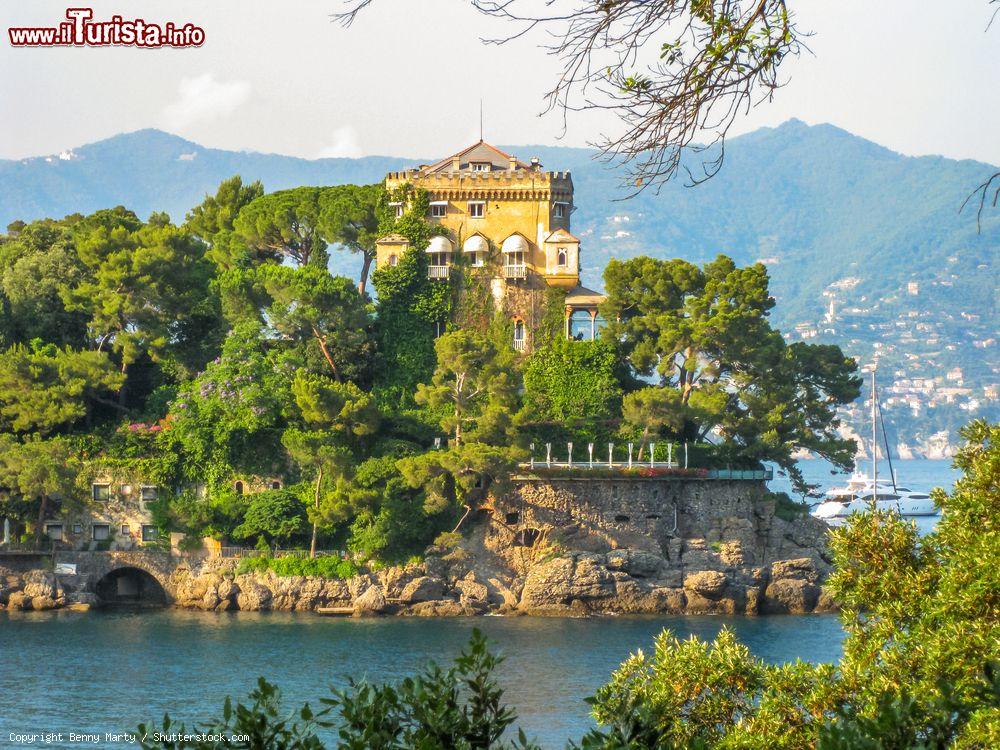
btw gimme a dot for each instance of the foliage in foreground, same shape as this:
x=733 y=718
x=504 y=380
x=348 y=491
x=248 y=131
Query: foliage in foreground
x=460 y=708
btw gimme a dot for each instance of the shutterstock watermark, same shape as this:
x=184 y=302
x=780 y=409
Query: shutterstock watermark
x=80 y=30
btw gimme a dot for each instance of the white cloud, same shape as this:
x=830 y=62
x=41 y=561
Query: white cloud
x=204 y=98
x=343 y=145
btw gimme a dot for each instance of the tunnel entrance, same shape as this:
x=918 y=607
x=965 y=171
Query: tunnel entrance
x=131 y=586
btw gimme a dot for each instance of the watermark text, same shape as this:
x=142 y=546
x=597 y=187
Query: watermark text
x=81 y=30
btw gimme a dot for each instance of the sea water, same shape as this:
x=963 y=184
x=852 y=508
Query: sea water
x=100 y=672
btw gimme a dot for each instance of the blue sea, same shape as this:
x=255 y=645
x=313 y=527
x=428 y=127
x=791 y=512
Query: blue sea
x=100 y=672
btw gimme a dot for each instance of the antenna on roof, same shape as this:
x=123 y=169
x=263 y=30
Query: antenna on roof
x=480 y=119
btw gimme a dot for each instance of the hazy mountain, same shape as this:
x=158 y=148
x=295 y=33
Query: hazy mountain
x=835 y=217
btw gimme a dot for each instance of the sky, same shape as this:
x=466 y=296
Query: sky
x=408 y=77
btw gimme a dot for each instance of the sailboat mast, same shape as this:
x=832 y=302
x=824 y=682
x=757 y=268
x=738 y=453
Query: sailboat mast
x=874 y=431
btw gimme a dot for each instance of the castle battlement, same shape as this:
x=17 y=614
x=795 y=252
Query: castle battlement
x=527 y=178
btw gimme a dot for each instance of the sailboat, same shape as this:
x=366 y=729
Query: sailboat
x=863 y=493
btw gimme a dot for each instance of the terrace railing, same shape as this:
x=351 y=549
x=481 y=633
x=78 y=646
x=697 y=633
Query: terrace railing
x=676 y=463
x=651 y=469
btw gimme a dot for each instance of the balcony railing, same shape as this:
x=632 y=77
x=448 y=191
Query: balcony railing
x=437 y=272
x=515 y=271
x=658 y=468
x=519 y=344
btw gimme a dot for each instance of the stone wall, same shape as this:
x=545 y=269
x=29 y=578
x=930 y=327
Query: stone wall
x=655 y=545
x=653 y=514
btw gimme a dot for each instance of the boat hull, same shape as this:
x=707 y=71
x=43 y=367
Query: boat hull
x=904 y=506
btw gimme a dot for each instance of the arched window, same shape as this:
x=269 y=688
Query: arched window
x=276 y=485
x=393 y=260
x=238 y=487
x=580 y=326
x=561 y=258
x=519 y=338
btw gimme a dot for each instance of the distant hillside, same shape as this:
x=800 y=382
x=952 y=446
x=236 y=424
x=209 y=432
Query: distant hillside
x=150 y=170
x=838 y=219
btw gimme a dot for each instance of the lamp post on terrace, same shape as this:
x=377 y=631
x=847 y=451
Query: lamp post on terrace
x=611 y=451
x=548 y=455
x=532 y=460
x=652 y=455
x=670 y=452
x=590 y=449
x=630 y=455
x=685 y=454
x=569 y=455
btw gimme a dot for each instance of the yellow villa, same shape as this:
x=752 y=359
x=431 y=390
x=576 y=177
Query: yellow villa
x=495 y=205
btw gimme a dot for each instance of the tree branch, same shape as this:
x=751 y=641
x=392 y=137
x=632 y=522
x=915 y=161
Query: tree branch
x=676 y=74
x=981 y=195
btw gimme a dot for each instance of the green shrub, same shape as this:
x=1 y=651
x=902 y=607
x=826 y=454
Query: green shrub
x=447 y=540
x=189 y=543
x=785 y=508
x=322 y=567
x=278 y=515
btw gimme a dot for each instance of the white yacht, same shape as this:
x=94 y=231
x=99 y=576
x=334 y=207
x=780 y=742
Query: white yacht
x=862 y=492
x=859 y=492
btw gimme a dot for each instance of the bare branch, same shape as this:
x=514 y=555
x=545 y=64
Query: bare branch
x=347 y=17
x=677 y=74
x=981 y=195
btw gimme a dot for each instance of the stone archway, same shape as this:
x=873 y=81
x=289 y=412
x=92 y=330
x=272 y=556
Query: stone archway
x=130 y=585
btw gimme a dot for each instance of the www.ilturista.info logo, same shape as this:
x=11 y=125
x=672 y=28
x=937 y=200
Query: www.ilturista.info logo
x=81 y=31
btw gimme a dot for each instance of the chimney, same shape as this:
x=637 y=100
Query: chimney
x=512 y=163
x=456 y=163
x=535 y=164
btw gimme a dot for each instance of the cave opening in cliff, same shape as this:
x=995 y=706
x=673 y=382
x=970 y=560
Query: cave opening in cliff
x=527 y=537
x=131 y=586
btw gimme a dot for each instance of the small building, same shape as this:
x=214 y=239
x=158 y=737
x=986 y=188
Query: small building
x=116 y=515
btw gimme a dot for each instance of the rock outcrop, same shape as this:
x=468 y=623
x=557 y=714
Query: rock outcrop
x=551 y=547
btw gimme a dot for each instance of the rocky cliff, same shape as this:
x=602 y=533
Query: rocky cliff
x=548 y=547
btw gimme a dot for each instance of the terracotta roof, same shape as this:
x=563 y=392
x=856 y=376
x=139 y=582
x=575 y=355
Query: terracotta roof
x=393 y=239
x=477 y=152
x=581 y=295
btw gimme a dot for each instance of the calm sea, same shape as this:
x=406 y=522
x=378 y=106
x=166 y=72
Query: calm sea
x=107 y=671
x=103 y=672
